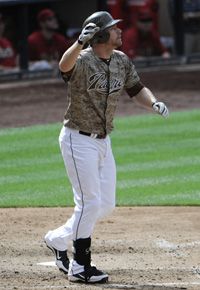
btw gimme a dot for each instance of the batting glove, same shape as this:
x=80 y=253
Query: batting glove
x=87 y=33
x=161 y=109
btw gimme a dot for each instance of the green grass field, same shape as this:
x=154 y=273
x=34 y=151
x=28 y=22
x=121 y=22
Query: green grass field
x=158 y=163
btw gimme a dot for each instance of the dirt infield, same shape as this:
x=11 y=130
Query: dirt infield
x=141 y=248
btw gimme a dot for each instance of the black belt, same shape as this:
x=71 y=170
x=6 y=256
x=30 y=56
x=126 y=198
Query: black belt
x=98 y=136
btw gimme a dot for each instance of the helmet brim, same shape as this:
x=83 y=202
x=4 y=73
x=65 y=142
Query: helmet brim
x=111 y=23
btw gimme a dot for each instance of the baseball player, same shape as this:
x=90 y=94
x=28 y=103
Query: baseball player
x=96 y=77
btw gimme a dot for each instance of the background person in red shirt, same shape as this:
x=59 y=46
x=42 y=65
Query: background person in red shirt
x=7 y=52
x=143 y=39
x=47 y=44
x=128 y=10
x=134 y=7
x=118 y=10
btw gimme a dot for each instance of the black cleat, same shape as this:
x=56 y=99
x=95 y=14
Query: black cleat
x=62 y=261
x=88 y=275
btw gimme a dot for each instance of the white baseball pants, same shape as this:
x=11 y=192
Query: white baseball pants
x=91 y=170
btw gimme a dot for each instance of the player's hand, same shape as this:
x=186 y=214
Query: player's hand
x=161 y=109
x=88 y=32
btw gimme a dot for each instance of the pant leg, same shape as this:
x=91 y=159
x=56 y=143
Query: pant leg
x=81 y=155
x=107 y=182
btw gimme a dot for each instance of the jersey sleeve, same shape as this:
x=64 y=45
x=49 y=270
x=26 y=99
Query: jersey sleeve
x=133 y=85
x=78 y=68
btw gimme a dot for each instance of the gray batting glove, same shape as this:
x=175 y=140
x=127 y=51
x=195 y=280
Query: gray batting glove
x=161 y=109
x=88 y=32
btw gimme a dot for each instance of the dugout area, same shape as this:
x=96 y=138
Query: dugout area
x=22 y=20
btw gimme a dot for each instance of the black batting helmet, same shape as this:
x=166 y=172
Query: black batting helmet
x=104 y=20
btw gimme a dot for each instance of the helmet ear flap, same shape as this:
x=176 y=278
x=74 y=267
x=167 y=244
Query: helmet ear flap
x=101 y=37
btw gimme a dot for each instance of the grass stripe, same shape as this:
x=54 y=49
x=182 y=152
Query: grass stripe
x=158 y=162
x=154 y=147
x=143 y=182
x=182 y=128
x=155 y=121
x=29 y=161
x=144 y=178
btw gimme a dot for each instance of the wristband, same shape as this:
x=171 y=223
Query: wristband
x=80 y=42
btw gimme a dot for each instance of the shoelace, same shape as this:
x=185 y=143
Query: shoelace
x=89 y=272
x=63 y=256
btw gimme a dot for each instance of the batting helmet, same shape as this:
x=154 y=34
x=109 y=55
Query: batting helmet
x=103 y=20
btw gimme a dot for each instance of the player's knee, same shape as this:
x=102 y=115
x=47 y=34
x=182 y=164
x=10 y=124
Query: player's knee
x=110 y=207
x=106 y=210
x=93 y=207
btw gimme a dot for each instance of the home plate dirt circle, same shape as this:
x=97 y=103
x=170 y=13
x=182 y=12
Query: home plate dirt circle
x=139 y=247
x=166 y=286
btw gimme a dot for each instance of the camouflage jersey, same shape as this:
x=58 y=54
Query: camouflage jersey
x=94 y=88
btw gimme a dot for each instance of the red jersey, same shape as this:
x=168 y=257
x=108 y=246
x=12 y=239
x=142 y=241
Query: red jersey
x=137 y=6
x=7 y=53
x=117 y=9
x=140 y=44
x=43 y=49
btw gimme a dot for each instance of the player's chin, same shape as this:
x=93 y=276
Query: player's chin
x=118 y=43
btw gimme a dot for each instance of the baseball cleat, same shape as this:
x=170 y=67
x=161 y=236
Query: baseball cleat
x=88 y=274
x=62 y=261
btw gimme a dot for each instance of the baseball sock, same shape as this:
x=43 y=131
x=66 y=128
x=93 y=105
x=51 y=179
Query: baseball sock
x=81 y=251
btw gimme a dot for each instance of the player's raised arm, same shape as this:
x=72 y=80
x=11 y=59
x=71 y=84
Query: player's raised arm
x=147 y=99
x=69 y=58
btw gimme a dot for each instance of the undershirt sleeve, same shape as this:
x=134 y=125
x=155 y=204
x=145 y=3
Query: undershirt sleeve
x=66 y=75
x=133 y=91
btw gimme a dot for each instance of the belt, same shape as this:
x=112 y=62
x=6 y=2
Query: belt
x=95 y=136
